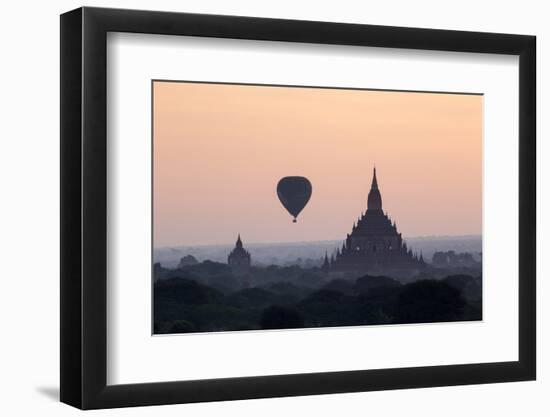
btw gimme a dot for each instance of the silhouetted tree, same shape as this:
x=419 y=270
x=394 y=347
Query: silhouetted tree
x=441 y=259
x=469 y=286
x=429 y=301
x=328 y=308
x=369 y=282
x=291 y=292
x=342 y=285
x=181 y=290
x=251 y=298
x=225 y=283
x=280 y=317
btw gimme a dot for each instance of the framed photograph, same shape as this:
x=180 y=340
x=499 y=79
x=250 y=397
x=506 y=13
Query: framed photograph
x=257 y=208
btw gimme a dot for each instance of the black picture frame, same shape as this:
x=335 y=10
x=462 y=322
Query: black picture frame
x=84 y=207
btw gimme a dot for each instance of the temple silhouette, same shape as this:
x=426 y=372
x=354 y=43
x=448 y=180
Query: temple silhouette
x=239 y=260
x=374 y=244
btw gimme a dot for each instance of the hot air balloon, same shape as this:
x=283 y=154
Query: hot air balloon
x=294 y=193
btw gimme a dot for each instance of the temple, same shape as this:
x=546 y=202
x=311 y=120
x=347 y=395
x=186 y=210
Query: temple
x=239 y=259
x=374 y=244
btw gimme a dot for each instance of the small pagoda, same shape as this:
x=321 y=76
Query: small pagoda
x=239 y=259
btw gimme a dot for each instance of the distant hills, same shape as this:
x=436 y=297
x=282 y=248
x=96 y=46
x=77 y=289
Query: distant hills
x=309 y=253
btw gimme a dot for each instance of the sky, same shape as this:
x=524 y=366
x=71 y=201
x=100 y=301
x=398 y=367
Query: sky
x=220 y=150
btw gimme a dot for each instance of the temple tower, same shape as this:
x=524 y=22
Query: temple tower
x=239 y=259
x=374 y=244
x=374 y=201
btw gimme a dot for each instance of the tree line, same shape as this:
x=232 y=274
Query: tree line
x=183 y=304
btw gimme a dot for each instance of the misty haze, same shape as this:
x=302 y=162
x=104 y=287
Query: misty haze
x=309 y=253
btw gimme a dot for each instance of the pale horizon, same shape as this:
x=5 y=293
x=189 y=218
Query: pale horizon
x=220 y=149
x=246 y=242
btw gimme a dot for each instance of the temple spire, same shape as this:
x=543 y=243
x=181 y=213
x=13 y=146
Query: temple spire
x=374 y=185
x=239 y=243
x=374 y=201
x=326 y=264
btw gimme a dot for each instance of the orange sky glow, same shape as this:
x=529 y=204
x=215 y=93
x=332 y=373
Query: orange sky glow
x=219 y=151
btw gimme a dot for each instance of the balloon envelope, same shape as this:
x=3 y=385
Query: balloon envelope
x=294 y=193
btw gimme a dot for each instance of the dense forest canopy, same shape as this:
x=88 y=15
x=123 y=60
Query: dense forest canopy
x=206 y=296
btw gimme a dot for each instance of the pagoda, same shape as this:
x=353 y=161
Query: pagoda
x=374 y=244
x=239 y=259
